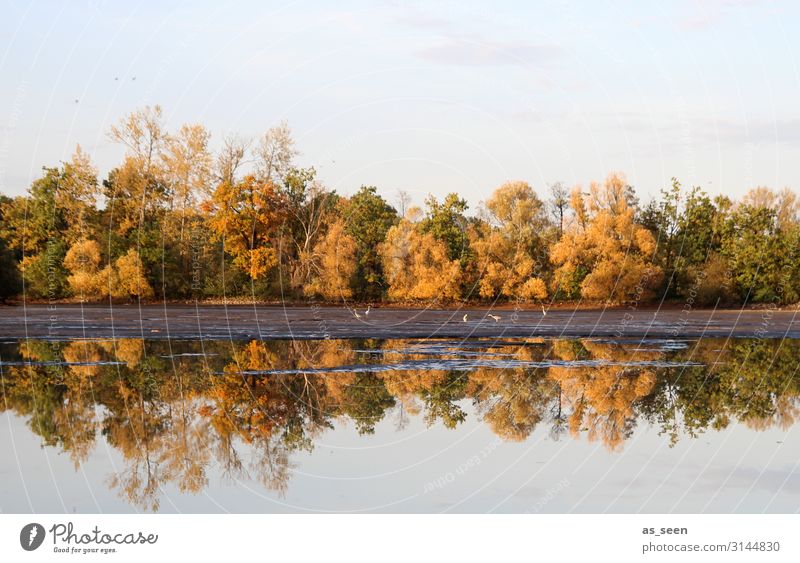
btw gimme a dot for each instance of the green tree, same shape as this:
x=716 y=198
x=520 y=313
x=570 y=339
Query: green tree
x=687 y=228
x=310 y=210
x=33 y=227
x=763 y=256
x=446 y=222
x=10 y=280
x=368 y=217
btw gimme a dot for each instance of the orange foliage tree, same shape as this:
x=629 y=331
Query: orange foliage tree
x=416 y=265
x=247 y=217
x=333 y=264
x=606 y=254
x=510 y=247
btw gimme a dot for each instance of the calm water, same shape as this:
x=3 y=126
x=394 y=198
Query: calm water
x=538 y=425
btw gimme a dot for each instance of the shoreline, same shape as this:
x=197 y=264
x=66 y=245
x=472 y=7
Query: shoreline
x=319 y=321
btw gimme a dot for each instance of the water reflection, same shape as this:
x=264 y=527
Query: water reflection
x=173 y=409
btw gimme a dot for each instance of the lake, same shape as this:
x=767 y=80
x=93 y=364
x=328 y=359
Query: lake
x=400 y=425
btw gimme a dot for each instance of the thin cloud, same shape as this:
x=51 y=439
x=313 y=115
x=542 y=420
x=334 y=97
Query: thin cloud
x=489 y=53
x=784 y=131
x=708 y=14
x=422 y=21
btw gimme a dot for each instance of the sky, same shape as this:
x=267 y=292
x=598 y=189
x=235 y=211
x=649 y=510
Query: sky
x=426 y=97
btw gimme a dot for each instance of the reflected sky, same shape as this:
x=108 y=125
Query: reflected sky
x=536 y=425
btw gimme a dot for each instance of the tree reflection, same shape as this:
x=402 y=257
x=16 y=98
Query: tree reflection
x=174 y=409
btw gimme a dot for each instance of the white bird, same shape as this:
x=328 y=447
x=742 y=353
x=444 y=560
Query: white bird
x=465 y=317
x=544 y=311
x=495 y=317
x=356 y=314
x=367 y=311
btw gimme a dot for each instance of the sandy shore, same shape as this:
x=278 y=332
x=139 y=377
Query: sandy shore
x=275 y=322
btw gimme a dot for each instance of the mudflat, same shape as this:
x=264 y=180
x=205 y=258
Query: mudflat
x=242 y=322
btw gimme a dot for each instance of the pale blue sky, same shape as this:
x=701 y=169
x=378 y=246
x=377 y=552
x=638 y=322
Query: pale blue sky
x=427 y=97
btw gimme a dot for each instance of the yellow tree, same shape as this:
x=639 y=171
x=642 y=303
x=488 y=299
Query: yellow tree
x=784 y=203
x=416 y=265
x=143 y=134
x=137 y=190
x=129 y=280
x=247 y=216
x=333 y=261
x=606 y=255
x=83 y=262
x=77 y=194
x=124 y=279
x=510 y=246
x=230 y=158
x=275 y=153
x=187 y=166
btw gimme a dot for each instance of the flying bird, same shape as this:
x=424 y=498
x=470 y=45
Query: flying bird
x=495 y=317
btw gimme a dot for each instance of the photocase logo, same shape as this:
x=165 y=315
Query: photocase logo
x=31 y=536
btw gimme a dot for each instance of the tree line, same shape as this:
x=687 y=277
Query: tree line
x=175 y=220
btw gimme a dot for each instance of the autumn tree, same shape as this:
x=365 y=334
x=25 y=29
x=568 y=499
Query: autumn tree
x=77 y=195
x=403 y=202
x=187 y=165
x=138 y=189
x=125 y=278
x=230 y=159
x=416 y=265
x=37 y=227
x=606 y=255
x=83 y=262
x=559 y=205
x=274 y=154
x=310 y=209
x=130 y=277
x=511 y=248
x=662 y=218
x=247 y=217
x=333 y=265
x=139 y=195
